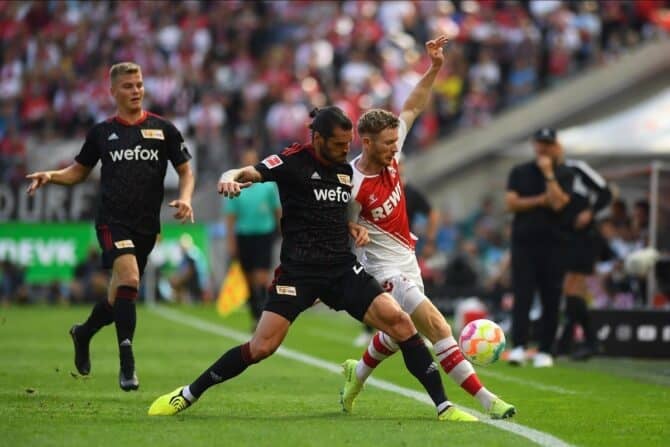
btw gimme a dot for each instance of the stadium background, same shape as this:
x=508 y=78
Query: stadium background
x=239 y=74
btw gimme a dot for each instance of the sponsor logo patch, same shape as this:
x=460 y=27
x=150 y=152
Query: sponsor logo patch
x=156 y=134
x=124 y=244
x=286 y=290
x=344 y=179
x=272 y=161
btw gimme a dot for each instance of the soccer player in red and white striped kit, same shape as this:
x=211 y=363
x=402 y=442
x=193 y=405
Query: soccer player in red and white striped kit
x=378 y=204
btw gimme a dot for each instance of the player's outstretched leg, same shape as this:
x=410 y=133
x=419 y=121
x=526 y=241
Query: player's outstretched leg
x=270 y=332
x=81 y=334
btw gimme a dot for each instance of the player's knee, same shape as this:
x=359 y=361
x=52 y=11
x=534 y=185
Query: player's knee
x=129 y=280
x=262 y=349
x=401 y=326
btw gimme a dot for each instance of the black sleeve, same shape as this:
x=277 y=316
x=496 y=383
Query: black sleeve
x=275 y=168
x=513 y=180
x=176 y=147
x=90 y=151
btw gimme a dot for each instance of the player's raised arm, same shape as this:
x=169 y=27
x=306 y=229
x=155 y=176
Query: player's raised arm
x=234 y=180
x=75 y=173
x=418 y=98
x=186 y=184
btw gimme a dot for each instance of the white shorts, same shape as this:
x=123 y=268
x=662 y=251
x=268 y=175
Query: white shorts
x=405 y=291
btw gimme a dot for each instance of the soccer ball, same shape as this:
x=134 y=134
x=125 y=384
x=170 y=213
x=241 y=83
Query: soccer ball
x=482 y=342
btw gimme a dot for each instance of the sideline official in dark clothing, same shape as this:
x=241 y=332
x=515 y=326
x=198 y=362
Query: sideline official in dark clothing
x=537 y=192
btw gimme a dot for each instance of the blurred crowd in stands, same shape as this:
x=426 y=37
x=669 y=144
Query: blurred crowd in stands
x=238 y=74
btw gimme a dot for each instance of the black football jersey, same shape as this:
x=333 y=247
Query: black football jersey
x=314 y=200
x=134 y=160
x=540 y=224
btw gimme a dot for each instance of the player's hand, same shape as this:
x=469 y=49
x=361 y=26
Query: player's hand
x=583 y=219
x=359 y=234
x=545 y=164
x=233 y=188
x=230 y=187
x=184 y=210
x=435 y=49
x=38 y=180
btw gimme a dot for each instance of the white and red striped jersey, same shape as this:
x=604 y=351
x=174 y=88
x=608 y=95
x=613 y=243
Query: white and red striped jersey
x=378 y=204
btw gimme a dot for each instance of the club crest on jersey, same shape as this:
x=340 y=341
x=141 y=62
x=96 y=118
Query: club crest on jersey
x=156 y=134
x=344 y=179
x=272 y=161
x=392 y=171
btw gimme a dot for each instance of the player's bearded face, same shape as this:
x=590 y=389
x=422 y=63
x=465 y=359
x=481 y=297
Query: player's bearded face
x=384 y=146
x=335 y=148
x=128 y=92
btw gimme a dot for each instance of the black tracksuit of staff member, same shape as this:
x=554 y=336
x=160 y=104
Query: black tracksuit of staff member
x=590 y=195
x=537 y=192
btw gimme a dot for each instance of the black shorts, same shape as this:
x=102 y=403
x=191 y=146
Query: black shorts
x=117 y=240
x=581 y=251
x=255 y=251
x=352 y=291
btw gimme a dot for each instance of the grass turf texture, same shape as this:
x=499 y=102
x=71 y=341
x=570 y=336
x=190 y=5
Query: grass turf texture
x=282 y=402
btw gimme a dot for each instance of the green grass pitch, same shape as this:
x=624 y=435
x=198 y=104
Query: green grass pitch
x=286 y=402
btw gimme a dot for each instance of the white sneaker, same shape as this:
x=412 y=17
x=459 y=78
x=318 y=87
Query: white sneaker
x=363 y=339
x=517 y=356
x=543 y=360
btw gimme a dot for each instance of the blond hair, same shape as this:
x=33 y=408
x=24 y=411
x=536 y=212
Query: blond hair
x=123 y=68
x=375 y=120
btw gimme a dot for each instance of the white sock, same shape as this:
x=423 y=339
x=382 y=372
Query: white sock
x=486 y=398
x=186 y=392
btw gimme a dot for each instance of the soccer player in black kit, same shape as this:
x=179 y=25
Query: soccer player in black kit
x=314 y=183
x=134 y=148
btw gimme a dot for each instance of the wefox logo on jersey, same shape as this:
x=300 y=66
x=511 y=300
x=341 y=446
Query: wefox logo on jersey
x=139 y=153
x=388 y=205
x=332 y=195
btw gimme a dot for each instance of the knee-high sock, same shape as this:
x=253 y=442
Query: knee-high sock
x=101 y=315
x=125 y=319
x=584 y=319
x=461 y=371
x=572 y=305
x=420 y=363
x=229 y=365
x=381 y=346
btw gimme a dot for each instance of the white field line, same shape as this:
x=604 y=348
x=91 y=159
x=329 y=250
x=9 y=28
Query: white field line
x=540 y=438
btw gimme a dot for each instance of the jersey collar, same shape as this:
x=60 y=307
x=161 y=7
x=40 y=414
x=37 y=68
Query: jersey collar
x=142 y=119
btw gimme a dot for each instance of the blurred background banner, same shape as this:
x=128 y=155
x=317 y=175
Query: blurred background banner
x=48 y=252
x=52 y=251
